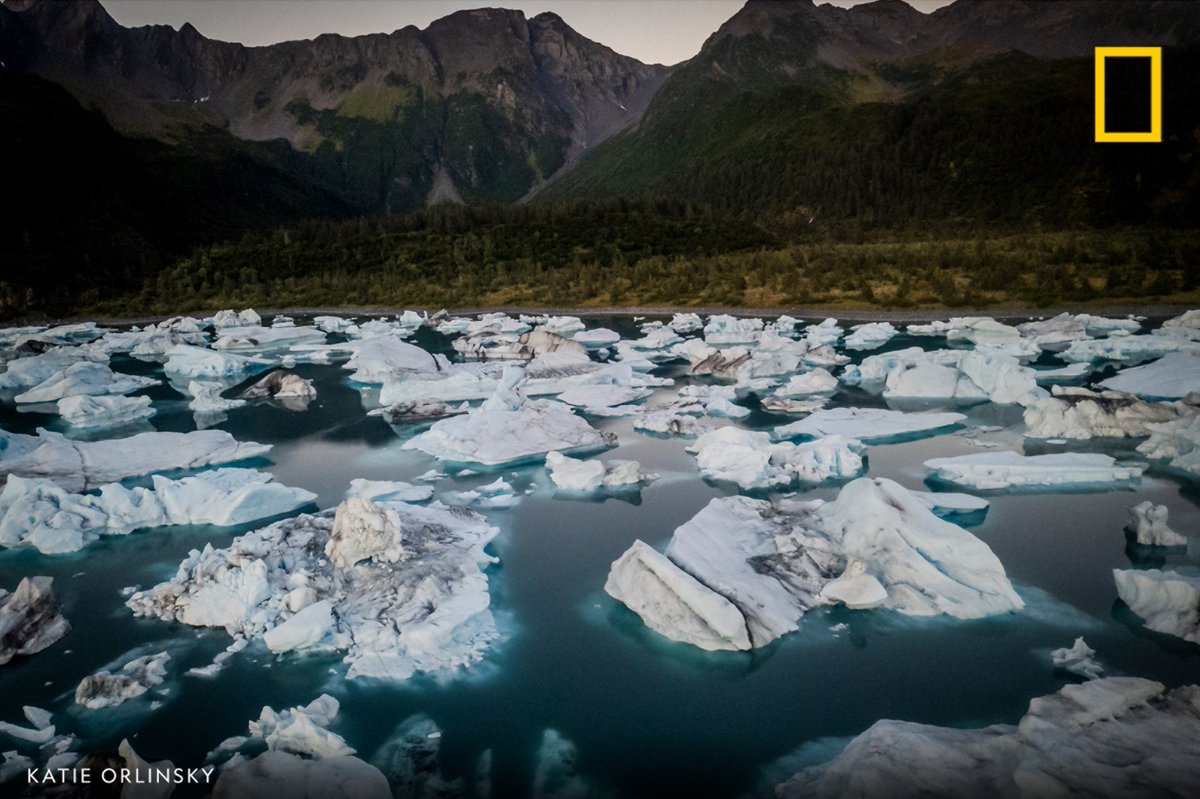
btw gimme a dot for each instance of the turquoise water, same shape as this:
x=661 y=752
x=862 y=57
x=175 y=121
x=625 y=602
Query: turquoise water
x=649 y=717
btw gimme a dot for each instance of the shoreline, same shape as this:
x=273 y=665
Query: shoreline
x=804 y=313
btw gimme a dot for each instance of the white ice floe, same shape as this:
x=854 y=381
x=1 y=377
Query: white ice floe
x=111 y=688
x=509 y=427
x=875 y=546
x=1176 y=442
x=951 y=502
x=752 y=460
x=1173 y=376
x=604 y=400
x=335 y=324
x=496 y=494
x=597 y=337
x=389 y=491
x=815 y=383
x=572 y=474
x=1148 y=522
x=30 y=620
x=87 y=412
x=258 y=340
x=186 y=362
x=383 y=358
x=869 y=336
x=230 y=318
x=1125 y=348
x=686 y=422
x=869 y=424
x=82 y=465
x=1055 y=333
x=1080 y=413
x=826 y=332
x=24 y=373
x=962 y=375
x=427 y=611
x=510 y=346
x=1167 y=601
x=41 y=732
x=685 y=323
x=1062 y=374
x=207 y=402
x=1078 y=659
x=83 y=378
x=1109 y=738
x=293 y=391
x=723 y=330
x=40 y=514
x=1011 y=470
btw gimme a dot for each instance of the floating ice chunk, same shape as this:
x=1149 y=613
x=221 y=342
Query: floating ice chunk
x=1064 y=374
x=207 y=401
x=603 y=399
x=1096 y=738
x=723 y=329
x=986 y=333
x=364 y=530
x=84 y=411
x=307 y=627
x=964 y=375
x=1167 y=601
x=1177 y=442
x=186 y=362
x=950 y=502
x=870 y=336
x=685 y=323
x=335 y=324
x=389 y=491
x=146 y=780
x=427 y=612
x=263 y=340
x=751 y=460
x=1187 y=324
x=24 y=373
x=383 y=358
x=1173 y=376
x=81 y=465
x=673 y=603
x=818 y=382
x=13 y=764
x=1125 y=348
x=1079 y=659
x=84 y=378
x=509 y=427
x=230 y=318
x=571 y=474
x=29 y=619
x=282 y=774
x=1149 y=525
x=1056 y=333
x=827 y=332
x=507 y=346
x=856 y=588
x=870 y=424
x=497 y=494
x=675 y=422
x=109 y=689
x=1079 y=413
x=597 y=337
x=1010 y=470
x=284 y=386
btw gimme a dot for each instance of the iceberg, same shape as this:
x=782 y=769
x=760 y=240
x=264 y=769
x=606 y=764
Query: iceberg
x=83 y=465
x=263 y=340
x=870 y=424
x=526 y=346
x=186 y=362
x=869 y=336
x=1148 y=523
x=597 y=337
x=751 y=460
x=1125 y=348
x=24 y=373
x=1079 y=413
x=389 y=491
x=283 y=386
x=40 y=514
x=1167 y=601
x=509 y=427
x=427 y=611
x=231 y=318
x=1108 y=738
x=496 y=494
x=816 y=383
x=875 y=546
x=1079 y=659
x=30 y=620
x=1175 y=442
x=723 y=330
x=88 y=412
x=1010 y=470
x=109 y=689
x=83 y=378
x=685 y=323
x=1173 y=376
x=963 y=375
x=572 y=474
x=604 y=400
x=384 y=358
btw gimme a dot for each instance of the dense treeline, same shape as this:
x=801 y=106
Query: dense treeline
x=626 y=253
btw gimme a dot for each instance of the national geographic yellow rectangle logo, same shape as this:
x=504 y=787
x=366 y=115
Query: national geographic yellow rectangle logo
x=1154 y=134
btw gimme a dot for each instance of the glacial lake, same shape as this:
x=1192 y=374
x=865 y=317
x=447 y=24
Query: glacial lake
x=649 y=717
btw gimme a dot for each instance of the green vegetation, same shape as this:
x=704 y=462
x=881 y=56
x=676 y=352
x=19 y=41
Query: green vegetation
x=621 y=253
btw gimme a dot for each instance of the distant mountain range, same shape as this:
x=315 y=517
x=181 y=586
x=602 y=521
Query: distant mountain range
x=878 y=114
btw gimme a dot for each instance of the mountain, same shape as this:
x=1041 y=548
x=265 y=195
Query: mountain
x=481 y=106
x=880 y=114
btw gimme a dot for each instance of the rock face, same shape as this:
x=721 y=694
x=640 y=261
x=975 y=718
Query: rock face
x=1113 y=737
x=1167 y=601
x=363 y=530
x=538 y=94
x=875 y=546
x=29 y=619
x=428 y=612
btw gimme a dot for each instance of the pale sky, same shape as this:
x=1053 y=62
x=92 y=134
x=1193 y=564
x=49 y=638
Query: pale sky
x=654 y=31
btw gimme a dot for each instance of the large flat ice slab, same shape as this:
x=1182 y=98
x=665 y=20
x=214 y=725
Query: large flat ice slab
x=869 y=424
x=1173 y=376
x=1004 y=470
